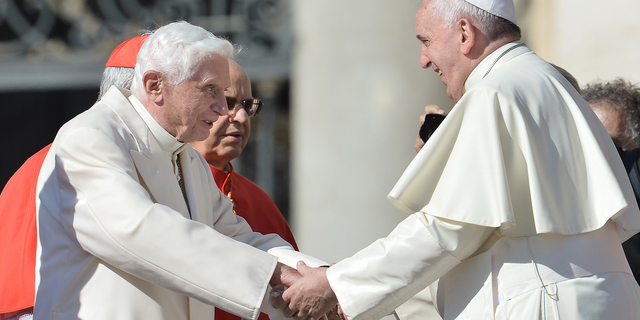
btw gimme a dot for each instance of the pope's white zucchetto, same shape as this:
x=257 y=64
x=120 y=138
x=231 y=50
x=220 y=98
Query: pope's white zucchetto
x=501 y=8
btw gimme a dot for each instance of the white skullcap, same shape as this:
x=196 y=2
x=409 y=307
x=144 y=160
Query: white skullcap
x=501 y=8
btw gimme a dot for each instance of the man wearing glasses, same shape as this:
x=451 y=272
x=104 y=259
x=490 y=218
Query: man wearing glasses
x=229 y=136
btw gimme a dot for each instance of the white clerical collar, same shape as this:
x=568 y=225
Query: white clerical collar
x=493 y=61
x=167 y=142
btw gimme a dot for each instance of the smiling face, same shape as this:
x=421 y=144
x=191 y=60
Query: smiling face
x=230 y=133
x=189 y=109
x=440 y=50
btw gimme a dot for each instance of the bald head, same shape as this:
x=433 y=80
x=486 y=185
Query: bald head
x=240 y=83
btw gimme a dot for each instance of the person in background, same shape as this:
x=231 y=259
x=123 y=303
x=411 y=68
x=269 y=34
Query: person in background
x=517 y=203
x=617 y=105
x=228 y=137
x=17 y=204
x=572 y=80
x=130 y=221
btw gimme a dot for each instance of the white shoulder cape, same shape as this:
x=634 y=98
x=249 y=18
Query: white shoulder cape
x=521 y=151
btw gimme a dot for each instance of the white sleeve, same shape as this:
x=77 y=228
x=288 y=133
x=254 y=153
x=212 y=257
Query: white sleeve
x=291 y=257
x=421 y=249
x=94 y=197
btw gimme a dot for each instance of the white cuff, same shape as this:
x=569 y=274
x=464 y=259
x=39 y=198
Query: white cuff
x=291 y=257
x=379 y=278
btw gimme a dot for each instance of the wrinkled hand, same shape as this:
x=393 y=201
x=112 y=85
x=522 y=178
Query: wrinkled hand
x=310 y=297
x=338 y=311
x=432 y=108
x=284 y=275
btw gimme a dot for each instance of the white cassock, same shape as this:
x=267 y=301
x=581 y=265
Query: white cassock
x=518 y=203
x=116 y=239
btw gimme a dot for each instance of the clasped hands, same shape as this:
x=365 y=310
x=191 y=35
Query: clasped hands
x=308 y=295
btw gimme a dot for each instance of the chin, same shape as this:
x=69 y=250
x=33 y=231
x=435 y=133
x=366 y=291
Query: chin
x=455 y=96
x=228 y=151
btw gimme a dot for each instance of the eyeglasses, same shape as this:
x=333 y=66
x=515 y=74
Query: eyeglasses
x=251 y=106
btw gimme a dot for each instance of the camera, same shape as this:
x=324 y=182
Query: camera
x=431 y=122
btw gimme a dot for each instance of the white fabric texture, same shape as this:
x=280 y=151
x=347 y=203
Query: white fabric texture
x=379 y=278
x=291 y=257
x=420 y=306
x=501 y=8
x=527 y=266
x=616 y=292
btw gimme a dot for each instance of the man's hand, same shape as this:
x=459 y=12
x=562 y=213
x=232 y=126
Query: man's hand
x=338 y=311
x=284 y=275
x=432 y=108
x=310 y=297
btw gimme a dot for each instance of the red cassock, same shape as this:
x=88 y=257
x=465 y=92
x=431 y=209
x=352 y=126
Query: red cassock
x=255 y=206
x=18 y=236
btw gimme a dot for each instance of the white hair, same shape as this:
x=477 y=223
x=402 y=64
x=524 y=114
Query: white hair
x=115 y=76
x=494 y=27
x=176 y=50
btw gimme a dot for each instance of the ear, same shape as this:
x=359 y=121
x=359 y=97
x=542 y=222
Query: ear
x=467 y=35
x=153 y=85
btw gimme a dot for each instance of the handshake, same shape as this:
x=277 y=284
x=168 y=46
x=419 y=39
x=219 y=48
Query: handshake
x=304 y=294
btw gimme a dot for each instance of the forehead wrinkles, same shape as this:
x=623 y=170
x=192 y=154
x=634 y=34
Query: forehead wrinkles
x=212 y=68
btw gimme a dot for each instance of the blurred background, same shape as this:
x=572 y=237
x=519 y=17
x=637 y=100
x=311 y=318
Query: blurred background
x=341 y=81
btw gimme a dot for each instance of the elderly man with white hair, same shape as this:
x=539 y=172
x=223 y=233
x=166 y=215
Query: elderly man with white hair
x=518 y=202
x=131 y=224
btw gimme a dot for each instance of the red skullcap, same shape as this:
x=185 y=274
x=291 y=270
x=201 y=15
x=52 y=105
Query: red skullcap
x=126 y=53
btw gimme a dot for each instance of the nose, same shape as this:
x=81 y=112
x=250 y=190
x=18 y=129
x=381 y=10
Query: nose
x=238 y=114
x=220 y=106
x=425 y=63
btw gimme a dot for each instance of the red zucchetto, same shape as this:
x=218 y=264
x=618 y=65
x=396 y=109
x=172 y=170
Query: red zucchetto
x=126 y=53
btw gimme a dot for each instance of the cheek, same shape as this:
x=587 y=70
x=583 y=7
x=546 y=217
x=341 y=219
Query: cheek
x=247 y=131
x=187 y=112
x=246 y=123
x=198 y=105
